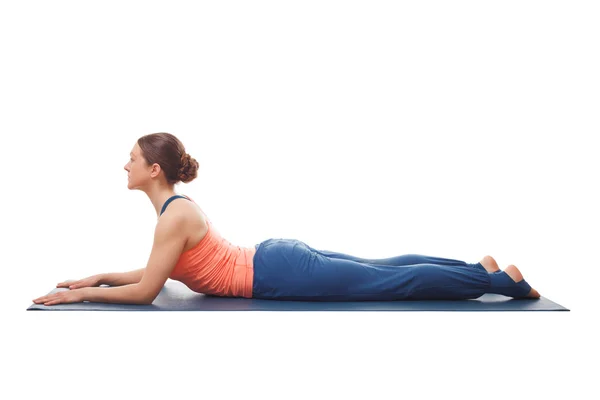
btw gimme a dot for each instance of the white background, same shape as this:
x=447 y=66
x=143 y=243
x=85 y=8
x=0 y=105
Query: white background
x=453 y=129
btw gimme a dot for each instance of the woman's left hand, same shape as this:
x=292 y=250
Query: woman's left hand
x=65 y=296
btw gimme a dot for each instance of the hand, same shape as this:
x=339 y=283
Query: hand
x=90 y=281
x=64 y=296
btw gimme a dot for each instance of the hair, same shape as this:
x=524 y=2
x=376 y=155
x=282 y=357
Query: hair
x=168 y=152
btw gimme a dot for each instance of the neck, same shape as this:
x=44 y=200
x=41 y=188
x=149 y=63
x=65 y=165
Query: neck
x=158 y=196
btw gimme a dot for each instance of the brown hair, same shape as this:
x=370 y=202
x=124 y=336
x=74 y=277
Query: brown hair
x=168 y=152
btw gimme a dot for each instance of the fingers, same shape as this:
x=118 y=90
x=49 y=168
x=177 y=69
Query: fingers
x=71 y=284
x=64 y=296
x=46 y=300
x=66 y=284
x=50 y=299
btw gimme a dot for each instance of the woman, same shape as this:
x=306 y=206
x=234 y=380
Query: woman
x=189 y=249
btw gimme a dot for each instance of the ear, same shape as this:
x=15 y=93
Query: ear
x=155 y=170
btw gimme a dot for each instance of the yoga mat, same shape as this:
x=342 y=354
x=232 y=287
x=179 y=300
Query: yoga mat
x=175 y=296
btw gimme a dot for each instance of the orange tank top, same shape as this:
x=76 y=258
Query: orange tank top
x=215 y=266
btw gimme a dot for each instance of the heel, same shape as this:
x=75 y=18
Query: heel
x=502 y=283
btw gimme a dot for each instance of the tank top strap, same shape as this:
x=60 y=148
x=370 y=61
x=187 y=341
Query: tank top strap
x=170 y=199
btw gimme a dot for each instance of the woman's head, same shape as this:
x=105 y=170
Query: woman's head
x=159 y=154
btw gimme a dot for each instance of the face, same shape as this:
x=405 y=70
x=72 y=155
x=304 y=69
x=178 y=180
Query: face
x=139 y=174
x=136 y=168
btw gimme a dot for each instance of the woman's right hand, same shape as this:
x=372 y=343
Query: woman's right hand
x=94 y=280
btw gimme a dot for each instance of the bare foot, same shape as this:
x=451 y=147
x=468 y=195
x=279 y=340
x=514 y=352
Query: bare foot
x=517 y=276
x=490 y=264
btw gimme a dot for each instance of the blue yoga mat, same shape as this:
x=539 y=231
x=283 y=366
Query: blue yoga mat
x=175 y=296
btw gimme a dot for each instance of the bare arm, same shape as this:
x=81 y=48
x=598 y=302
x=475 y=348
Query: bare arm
x=126 y=294
x=140 y=286
x=168 y=246
x=122 y=278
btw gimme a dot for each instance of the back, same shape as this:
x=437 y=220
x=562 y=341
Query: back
x=212 y=265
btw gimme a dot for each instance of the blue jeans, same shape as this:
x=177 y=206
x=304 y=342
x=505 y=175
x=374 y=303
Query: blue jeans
x=288 y=269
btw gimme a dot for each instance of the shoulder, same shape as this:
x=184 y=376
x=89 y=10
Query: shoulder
x=183 y=220
x=174 y=216
x=179 y=214
x=169 y=226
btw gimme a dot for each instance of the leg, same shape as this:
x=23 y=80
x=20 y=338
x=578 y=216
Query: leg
x=288 y=269
x=499 y=284
x=406 y=259
x=488 y=262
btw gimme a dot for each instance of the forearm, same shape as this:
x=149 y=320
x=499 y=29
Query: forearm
x=127 y=294
x=122 y=278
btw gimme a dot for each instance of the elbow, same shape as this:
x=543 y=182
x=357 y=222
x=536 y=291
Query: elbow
x=147 y=299
x=145 y=296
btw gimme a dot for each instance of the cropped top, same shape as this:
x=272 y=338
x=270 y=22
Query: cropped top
x=215 y=266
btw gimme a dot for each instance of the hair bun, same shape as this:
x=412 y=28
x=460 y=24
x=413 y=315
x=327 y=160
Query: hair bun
x=188 y=169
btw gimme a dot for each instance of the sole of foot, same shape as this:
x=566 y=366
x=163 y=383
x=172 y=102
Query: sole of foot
x=490 y=264
x=517 y=276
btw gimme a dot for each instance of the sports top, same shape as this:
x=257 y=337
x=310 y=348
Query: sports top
x=215 y=266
